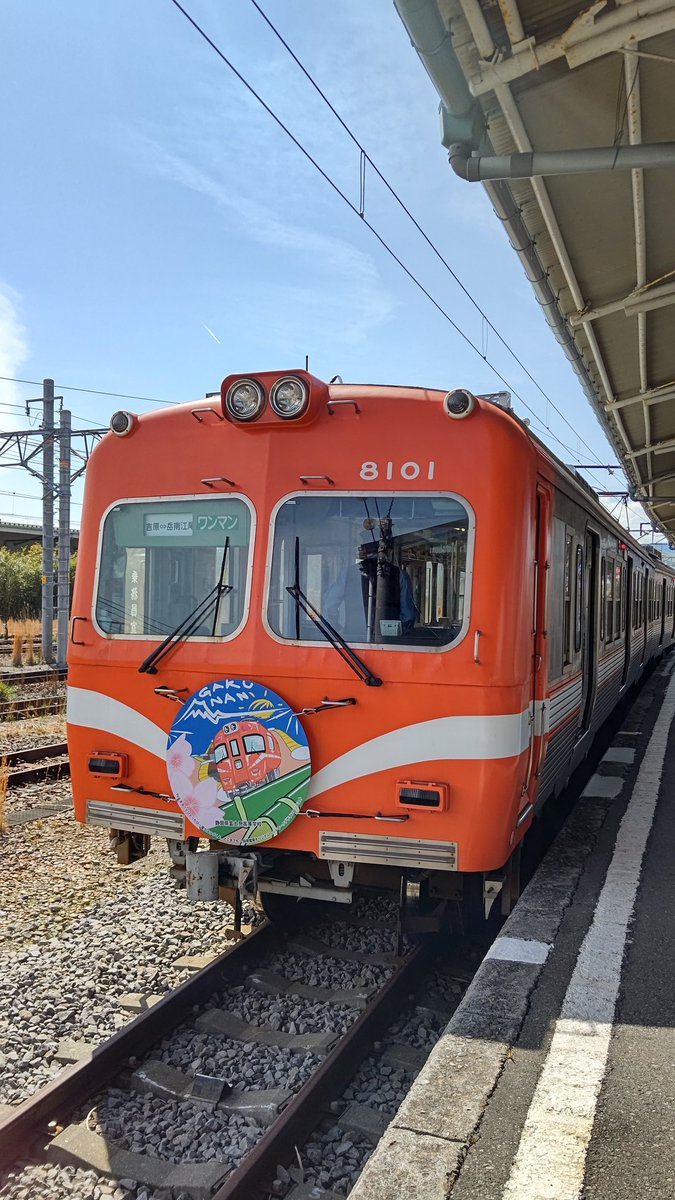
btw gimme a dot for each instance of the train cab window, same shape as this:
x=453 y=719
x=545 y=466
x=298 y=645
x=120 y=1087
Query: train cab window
x=389 y=570
x=161 y=558
x=254 y=743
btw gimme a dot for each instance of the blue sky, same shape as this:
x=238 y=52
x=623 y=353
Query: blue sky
x=158 y=230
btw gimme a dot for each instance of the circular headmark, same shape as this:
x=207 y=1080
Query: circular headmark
x=238 y=761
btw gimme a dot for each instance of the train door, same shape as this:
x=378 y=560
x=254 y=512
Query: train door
x=589 y=639
x=539 y=603
x=627 y=610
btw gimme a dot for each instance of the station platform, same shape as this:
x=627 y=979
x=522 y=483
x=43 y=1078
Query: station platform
x=555 y=1079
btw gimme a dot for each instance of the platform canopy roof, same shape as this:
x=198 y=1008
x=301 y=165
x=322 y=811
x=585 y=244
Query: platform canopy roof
x=517 y=76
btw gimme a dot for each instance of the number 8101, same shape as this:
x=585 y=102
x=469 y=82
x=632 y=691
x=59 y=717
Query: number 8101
x=407 y=470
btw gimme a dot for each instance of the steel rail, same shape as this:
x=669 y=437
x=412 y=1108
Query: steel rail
x=299 y=1118
x=39 y=706
x=76 y=1083
x=21 y=677
x=48 y=761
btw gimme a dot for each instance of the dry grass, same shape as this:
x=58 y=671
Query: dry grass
x=27 y=627
x=17 y=650
x=52 y=726
x=26 y=634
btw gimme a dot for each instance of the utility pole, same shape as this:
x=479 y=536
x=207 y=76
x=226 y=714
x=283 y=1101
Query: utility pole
x=63 y=574
x=27 y=454
x=47 y=429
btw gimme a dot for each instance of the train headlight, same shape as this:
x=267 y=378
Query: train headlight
x=122 y=423
x=289 y=397
x=459 y=403
x=245 y=400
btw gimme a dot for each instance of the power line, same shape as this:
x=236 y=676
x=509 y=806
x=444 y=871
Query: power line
x=361 y=214
x=30 y=495
x=402 y=205
x=64 y=387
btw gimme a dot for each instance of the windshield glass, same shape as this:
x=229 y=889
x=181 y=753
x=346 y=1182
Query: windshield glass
x=159 y=558
x=254 y=744
x=383 y=569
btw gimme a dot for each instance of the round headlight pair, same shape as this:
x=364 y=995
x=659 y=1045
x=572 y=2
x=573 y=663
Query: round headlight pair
x=245 y=399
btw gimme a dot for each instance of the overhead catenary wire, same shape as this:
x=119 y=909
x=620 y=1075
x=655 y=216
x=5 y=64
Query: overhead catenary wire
x=31 y=496
x=65 y=387
x=365 y=158
x=376 y=234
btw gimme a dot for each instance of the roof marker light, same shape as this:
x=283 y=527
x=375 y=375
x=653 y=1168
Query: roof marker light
x=459 y=403
x=122 y=423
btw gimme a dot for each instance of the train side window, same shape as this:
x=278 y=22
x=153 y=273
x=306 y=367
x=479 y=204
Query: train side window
x=609 y=600
x=603 y=589
x=618 y=599
x=578 y=598
x=567 y=601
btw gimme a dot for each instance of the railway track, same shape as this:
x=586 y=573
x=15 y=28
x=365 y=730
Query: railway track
x=37 y=763
x=21 y=677
x=31 y=706
x=273 y=1120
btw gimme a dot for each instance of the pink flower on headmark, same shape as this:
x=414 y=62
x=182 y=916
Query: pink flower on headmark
x=179 y=757
x=199 y=801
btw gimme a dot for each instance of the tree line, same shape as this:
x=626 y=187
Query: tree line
x=21 y=583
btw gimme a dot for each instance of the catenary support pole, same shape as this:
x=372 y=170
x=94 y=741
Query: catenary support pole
x=63 y=584
x=48 y=520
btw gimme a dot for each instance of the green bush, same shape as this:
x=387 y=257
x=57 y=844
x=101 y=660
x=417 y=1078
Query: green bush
x=21 y=583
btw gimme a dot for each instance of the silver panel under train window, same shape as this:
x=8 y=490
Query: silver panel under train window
x=390 y=851
x=154 y=821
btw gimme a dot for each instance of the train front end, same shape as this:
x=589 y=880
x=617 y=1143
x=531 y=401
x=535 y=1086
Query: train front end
x=290 y=637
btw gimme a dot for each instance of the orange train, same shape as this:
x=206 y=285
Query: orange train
x=414 y=613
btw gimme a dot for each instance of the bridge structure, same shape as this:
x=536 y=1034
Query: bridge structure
x=564 y=112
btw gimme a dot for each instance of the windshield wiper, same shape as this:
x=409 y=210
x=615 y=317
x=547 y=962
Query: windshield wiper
x=331 y=635
x=191 y=622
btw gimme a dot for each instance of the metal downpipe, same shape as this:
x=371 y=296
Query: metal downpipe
x=476 y=168
x=432 y=40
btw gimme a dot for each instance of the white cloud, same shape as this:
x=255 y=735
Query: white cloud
x=329 y=258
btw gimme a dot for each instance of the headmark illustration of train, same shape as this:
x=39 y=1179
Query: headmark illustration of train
x=353 y=635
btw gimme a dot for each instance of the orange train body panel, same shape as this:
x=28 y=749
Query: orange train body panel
x=459 y=636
